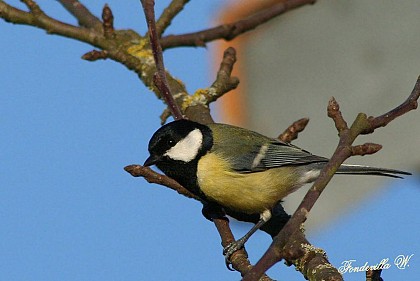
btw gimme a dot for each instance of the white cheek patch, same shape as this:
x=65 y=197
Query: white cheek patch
x=186 y=149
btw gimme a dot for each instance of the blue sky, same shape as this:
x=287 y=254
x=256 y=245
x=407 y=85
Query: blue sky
x=69 y=211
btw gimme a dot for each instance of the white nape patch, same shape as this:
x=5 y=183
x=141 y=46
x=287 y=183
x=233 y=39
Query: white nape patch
x=187 y=148
x=310 y=176
x=259 y=156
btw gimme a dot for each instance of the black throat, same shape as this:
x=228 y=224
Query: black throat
x=186 y=172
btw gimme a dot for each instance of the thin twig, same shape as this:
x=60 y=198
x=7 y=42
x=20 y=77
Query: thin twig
x=36 y=17
x=292 y=132
x=117 y=48
x=39 y=19
x=374 y=275
x=33 y=6
x=344 y=150
x=410 y=103
x=232 y=30
x=169 y=13
x=160 y=75
x=239 y=260
x=108 y=22
x=333 y=111
x=95 y=55
x=365 y=149
x=224 y=81
x=82 y=14
x=153 y=177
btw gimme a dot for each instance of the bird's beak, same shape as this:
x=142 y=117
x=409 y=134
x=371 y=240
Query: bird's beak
x=151 y=160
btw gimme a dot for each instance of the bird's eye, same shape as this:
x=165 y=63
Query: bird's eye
x=170 y=142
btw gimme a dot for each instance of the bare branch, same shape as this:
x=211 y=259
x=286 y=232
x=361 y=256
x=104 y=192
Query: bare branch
x=374 y=275
x=118 y=48
x=39 y=19
x=153 y=177
x=312 y=262
x=365 y=149
x=114 y=44
x=240 y=259
x=82 y=14
x=333 y=111
x=95 y=55
x=168 y=15
x=409 y=104
x=344 y=150
x=160 y=75
x=232 y=30
x=33 y=6
x=108 y=22
x=224 y=81
x=291 y=133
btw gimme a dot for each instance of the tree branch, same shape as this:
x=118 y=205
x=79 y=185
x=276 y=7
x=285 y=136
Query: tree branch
x=36 y=17
x=374 y=275
x=153 y=177
x=82 y=14
x=159 y=77
x=126 y=47
x=239 y=259
x=224 y=83
x=333 y=111
x=95 y=55
x=292 y=132
x=117 y=44
x=174 y=8
x=362 y=124
x=108 y=22
x=232 y=30
x=410 y=103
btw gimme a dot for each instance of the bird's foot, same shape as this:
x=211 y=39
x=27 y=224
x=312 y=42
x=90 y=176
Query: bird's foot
x=230 y=249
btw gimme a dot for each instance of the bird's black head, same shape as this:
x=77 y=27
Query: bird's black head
x=176 y=148
x=179 y=141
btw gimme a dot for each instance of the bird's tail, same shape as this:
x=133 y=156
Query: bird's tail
x=367 y=170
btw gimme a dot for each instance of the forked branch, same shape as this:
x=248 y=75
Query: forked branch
x=232 y=30
x=82 y=14
x=115 y=44
x=344 y=150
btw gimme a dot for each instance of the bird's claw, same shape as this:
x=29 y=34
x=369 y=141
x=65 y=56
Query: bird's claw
x=230 y=249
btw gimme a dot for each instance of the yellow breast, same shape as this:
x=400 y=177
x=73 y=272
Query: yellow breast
x=248 y=192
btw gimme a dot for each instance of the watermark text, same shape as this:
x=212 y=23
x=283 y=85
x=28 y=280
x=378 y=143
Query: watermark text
x=350 y=266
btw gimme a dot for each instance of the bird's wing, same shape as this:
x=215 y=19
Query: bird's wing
x=277 y=154
x=248 y=151
x=273 y=155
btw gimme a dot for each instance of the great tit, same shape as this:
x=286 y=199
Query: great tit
x=238 y=169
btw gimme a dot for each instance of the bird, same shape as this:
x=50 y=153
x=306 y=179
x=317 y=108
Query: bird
x=239 y=169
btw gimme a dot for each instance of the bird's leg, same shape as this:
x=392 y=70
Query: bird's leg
x=239 y=244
